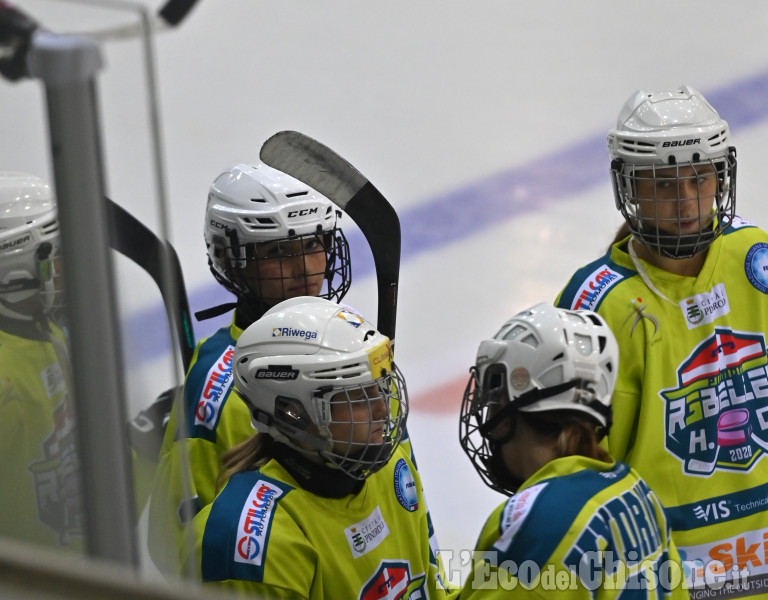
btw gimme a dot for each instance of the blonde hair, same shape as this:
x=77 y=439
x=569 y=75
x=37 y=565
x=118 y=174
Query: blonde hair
x=251 y=454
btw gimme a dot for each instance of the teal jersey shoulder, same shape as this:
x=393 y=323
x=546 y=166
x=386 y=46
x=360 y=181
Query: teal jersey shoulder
x=592 y=283
x=525 y=527
x=209 y=384
x=254 y=497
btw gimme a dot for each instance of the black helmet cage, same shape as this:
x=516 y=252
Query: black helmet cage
x=359 y=460
x=234 y=257
x=624 y=178
x=483 y=450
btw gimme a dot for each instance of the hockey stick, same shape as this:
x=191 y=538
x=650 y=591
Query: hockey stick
x=134 y=240
x=321 y=168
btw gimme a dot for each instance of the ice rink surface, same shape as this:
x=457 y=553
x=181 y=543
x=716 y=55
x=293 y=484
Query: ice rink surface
x=482 y=122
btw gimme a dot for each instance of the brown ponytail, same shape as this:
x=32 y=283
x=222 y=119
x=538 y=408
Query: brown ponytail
x=573 y=433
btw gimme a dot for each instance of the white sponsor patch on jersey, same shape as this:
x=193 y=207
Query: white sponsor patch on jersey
x=53 y=379
x=594 y=286
x=515 y=512
x=217 y=384
x=722 y=560
x=738 y=223
x=255 y=519
x=705 y=307
x=365 y=535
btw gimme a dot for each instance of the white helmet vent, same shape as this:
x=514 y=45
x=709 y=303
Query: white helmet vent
x=719 y=139
x=531 y=340
x=637 y=147
x=583 y=344
x=51 y=227
x=260 y=223
x=342 y=372
x=553 y=376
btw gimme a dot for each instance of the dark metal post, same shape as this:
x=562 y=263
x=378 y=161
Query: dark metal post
x=67 y=66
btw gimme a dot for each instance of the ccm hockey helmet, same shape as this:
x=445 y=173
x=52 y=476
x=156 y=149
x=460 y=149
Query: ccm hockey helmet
x=664 y=148
x=251 y=206
x=320 y=378
x=29 y=242
x=543 y=359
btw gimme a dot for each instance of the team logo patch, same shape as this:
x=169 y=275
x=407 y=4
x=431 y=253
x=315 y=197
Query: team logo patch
x=405 y=486
x=642 y=314
x=705 y=308
x=217 y=384
x=756 y=266
x=367 y=534
x=350 y=317
x=717 y=415
x=57 y=489
x=255 y=520
x=594 y=287
x=393 y=581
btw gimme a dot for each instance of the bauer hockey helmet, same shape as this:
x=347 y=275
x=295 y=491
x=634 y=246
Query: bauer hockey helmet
x=249 y=206
x=29 y=243
x=320 y=378
x=543 y=359
x=664 y=142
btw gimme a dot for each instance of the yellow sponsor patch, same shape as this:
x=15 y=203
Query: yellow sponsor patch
x=380 y=357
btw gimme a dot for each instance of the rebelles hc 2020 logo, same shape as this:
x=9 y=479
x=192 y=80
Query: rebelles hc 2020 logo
x=717 y=415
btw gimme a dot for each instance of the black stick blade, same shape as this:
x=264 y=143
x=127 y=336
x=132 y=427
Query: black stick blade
x=315 y=164
x=320 y=167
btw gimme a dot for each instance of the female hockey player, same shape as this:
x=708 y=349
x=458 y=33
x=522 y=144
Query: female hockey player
x=685 y=293
x=579 y=524
x=40 y=490
x=269 y=237
x=325 y=501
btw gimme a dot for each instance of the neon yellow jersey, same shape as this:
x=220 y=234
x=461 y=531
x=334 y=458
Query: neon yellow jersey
x=215 y=421
x=40 y=497
x=691 y=401
x=265 y=536
x=578 y=528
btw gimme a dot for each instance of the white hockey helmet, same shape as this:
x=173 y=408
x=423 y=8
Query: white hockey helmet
x=29 y=242
x=254 y=204
x=672 y=130
x=543 y=359
x=320 y=378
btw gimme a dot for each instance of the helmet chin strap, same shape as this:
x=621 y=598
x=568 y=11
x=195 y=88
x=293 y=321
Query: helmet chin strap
x=8 y=312
x=523 y=400
x=315 y=476
x=498 y=471
x=643 y=274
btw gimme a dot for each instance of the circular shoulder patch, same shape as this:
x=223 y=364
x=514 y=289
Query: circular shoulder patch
x=756 y=266
x=405 y=486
